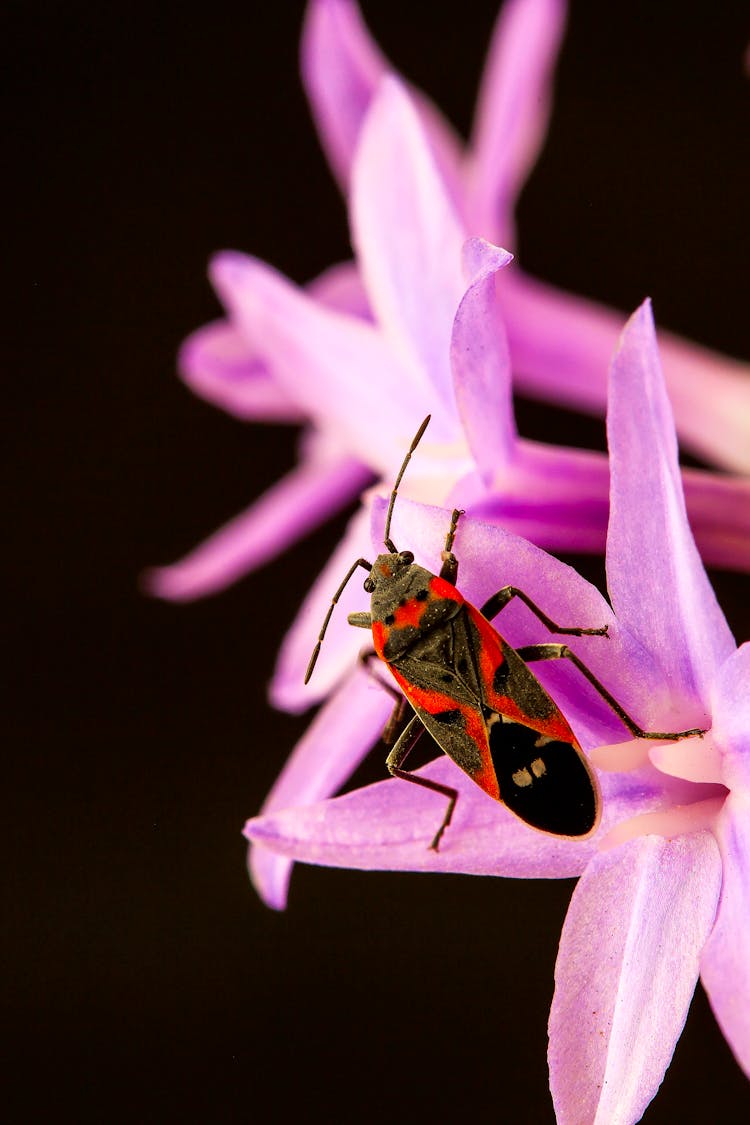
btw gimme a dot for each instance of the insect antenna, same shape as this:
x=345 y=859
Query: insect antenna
x=417 y=437
x=313 y=659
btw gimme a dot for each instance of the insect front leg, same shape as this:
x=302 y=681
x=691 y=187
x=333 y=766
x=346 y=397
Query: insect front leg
x=398 y=755
x=530 y=653
x=498 y=601
x=449 y=569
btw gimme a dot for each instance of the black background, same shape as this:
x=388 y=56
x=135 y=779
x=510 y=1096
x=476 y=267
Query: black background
x=146 y=982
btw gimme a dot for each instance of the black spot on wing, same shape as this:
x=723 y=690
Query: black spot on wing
x=545 y=783
x=500 y=678
x=448 y=718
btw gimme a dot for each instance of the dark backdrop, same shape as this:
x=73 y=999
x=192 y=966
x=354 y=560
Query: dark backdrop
x=146 y=982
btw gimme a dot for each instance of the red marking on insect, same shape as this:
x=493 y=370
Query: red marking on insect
x=474 y=693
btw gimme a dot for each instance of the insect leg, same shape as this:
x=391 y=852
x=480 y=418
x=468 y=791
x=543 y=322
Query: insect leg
x=313 y=659
x=449 y=569
x=530 y=653
x=498 y=601
x=398 y=755
x=394 y=722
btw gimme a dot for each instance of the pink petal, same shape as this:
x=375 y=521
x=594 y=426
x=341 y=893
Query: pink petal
x=656 y=580
x=341 y=68
x=328 y=753
x=388 y=826
x=338 y=654
x=217 y=363
x=306 y=496
x=480 y=361
x=340 y=287
x=408 y=236
x=512 y=112
x=337 y=367
x=561 y=345
x=626 y=973
x=731 y=712
x=725 y=966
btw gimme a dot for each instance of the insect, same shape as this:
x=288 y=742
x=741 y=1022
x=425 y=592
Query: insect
x=473 y=692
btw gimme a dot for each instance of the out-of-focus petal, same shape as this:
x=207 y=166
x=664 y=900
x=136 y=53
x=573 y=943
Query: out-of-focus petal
x=725 y=966
x=339 y=368
x=341 y=67
x=561 y=345
x=512 y=112
x=217 y=363
x=731 y=712
x=336 y=741
x=388 y=826
x=655 y=576
x=342 y=642
x=306 y=496
x=408 y=236
x=340 y=287
x=480 y=361
x=626 y=972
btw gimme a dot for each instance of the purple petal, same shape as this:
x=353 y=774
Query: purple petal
x=407 y=235
x=657 y=583
x=731 y=719
x=217 y=363
x=512 y=112
x=289 y=509
x=328 y=753
x=388 y=826
x=338 y=653
x=341 y=68
x=481 y=363
x=725 y=966
x=626 y=972
x=337 y=367
x=340 y=287
x=561 y=345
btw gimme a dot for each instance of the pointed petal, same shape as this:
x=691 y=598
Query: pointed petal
x=338 y=367
x=731 y=712
x=217 y=363
x=626 y=972
x=335 y=743
x=306 y=496
x=513 y=111
x=480 y=361
x=341 y=67
x=561 y=345
x=388 y=827
x=656 y=580
x=338 y=654
x=725 y=966
x=407 y=235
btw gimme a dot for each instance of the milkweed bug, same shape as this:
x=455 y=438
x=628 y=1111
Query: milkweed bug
x=474 y=693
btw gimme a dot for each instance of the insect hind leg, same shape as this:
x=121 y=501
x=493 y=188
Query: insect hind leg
x=398 y=755
x=530 y=653
x=498 y=601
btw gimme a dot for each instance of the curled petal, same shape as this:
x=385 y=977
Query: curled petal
x=725 y=966
x=731 y=712
x=480 y=361
x=306 y=496
x=626 y=972
x=334 y=744
x=408 y=236
x=512 y=112
x=655 y=577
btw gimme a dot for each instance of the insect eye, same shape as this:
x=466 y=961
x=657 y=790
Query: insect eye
x=369 y=585
x=406 y=557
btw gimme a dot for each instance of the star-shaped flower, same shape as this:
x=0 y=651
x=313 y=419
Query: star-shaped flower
x=362 y=353
x=663 y=894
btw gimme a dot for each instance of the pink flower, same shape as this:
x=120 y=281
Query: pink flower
x=362 y=353
x=663 y=890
